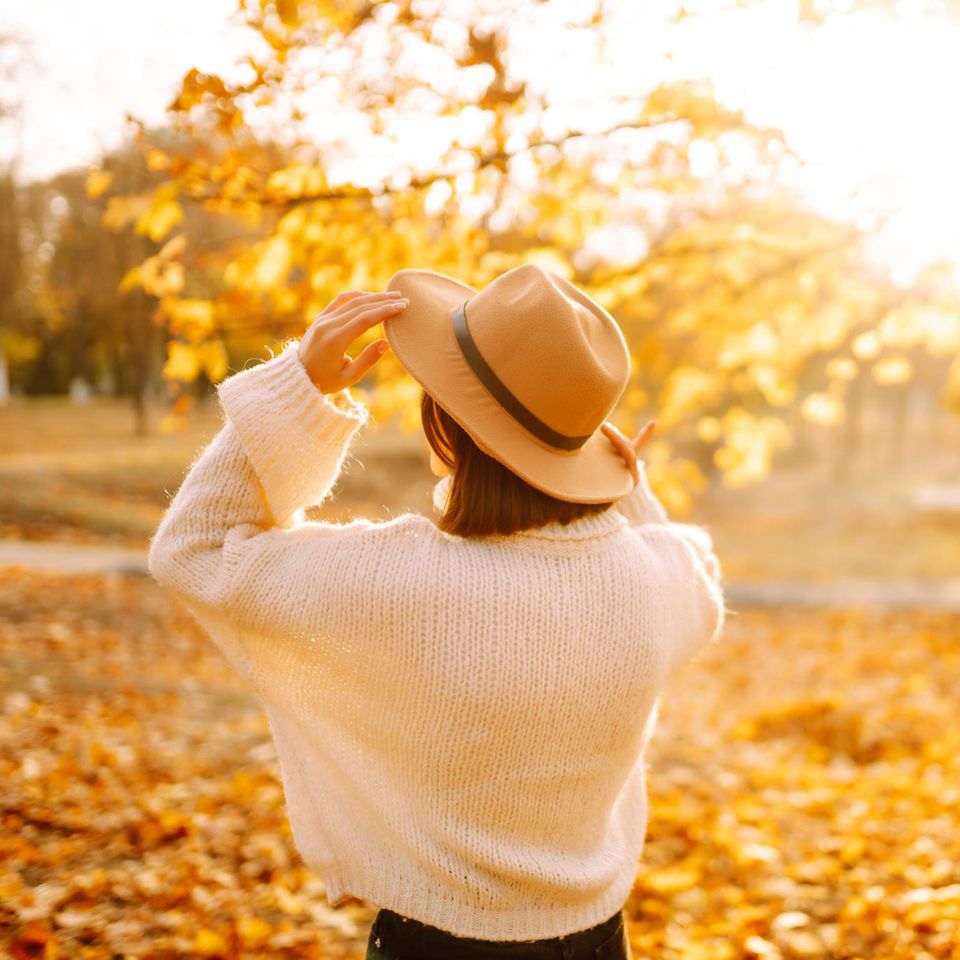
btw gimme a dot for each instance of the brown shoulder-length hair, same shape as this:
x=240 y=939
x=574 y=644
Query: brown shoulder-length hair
x=485 y=496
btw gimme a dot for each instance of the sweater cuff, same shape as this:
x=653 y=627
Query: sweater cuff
x=640 y=505
x=294 y=436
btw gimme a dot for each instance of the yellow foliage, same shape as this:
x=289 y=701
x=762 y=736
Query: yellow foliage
x=396 y=394
x=183 y=361
x=98 y=182
x=163 y=214
x=157 y=159
x=549 y=259
x=749 y=445
x=867 y=345
x=273 y=264
x=18 y=347
x=757 y=343
x=822 y=408
x=296 y=181
x=915 y=324
x=709 y=429
x=773 y=382
x=722 y=311
x=892 y=370
x=694 y=100
x=159 y=275
x=161 y=220
x=132 y=278
x=674 y=480
x=213 y=357
x=122 y=210
x=842 y=368
x=193 y=319
x=174 y=247
x=686 y=390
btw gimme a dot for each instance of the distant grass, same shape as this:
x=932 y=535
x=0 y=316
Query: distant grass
x=79 y=474
x=806 y=527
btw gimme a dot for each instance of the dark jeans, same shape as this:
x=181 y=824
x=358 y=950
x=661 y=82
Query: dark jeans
x=394 y=937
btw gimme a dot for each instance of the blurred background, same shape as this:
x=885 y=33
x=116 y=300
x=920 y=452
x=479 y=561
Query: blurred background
x=762 y=192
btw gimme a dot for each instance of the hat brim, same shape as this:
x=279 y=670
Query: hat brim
x=423 y=339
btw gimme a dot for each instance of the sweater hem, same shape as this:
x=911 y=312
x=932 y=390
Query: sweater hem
x=464 y=920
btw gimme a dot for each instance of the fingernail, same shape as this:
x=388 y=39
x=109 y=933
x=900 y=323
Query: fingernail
x=382 y=348
x=395 y=293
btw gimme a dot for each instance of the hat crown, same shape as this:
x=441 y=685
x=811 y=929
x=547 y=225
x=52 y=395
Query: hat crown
x=555 y=349
x=529 y=366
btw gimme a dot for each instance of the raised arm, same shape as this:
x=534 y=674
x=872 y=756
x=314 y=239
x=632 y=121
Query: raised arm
x=692 y=577
x=233 y=543
x=231 y=538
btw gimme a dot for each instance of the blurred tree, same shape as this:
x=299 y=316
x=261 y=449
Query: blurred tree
x=75 y=311
x=12 y=341
x=10 y=257
x=739 y=302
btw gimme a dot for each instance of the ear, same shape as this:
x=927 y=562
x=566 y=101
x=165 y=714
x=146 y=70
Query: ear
x=439 y=468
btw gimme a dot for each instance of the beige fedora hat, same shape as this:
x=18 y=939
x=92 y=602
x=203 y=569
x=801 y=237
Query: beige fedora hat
x=529 y=366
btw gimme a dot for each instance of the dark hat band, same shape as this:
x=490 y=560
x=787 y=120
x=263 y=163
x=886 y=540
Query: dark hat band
x=501 y=392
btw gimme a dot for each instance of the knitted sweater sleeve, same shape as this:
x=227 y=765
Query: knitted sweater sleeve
x=694 y=579
x=233 y=545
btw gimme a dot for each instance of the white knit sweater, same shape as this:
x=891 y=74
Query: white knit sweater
x=460 y=723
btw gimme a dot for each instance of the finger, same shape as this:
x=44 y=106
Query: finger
x=644 y=435
x=616 y=438
x=362 y=299
x=622 y=445
x=355 y=369
x=613 y=432
x=370 y=316
x=340 y=299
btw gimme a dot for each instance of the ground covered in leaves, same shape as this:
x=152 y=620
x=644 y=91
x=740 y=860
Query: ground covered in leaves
x=804 y=788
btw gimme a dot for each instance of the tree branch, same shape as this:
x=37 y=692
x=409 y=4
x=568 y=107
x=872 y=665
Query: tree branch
x=487 y=160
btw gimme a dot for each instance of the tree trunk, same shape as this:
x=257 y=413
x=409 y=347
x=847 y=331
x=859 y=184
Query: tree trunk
x=848 y=451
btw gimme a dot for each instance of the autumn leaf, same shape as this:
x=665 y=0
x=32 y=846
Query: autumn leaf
x=800 y=790
x=184 y=361
x=163 y=214
x=98 y=182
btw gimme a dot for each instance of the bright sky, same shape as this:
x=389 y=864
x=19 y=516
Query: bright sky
x=89 y=63
x=865 y=100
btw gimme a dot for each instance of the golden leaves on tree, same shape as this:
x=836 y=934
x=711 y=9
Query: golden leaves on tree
x=741 y=306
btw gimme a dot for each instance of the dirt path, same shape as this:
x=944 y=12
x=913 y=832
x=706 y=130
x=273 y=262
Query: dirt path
x=42 y=555
x=874 y=594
